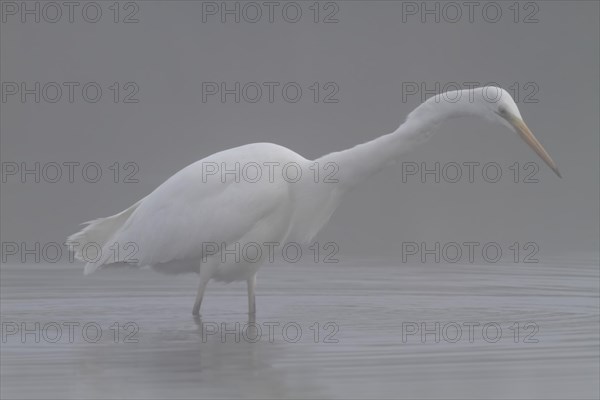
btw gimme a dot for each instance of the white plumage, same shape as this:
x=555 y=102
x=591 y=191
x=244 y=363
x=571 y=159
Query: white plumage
x=170 y=228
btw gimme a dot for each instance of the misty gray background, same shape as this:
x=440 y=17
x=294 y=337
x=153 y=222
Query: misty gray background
x=369 y=53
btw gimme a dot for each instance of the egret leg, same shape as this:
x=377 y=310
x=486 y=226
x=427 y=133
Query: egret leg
x=251 y=296
x=199 y=296
x=206 y=271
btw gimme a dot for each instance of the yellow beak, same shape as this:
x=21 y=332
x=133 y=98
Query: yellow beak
x=528 y=137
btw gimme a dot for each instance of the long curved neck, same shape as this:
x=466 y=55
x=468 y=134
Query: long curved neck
x=362 y=161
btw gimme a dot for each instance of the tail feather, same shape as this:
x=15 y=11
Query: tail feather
x=98 y=233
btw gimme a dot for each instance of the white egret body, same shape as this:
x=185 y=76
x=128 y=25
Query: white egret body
x=175 y=226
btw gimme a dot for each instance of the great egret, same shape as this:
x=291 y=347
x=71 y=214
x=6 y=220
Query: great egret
x=169 y=228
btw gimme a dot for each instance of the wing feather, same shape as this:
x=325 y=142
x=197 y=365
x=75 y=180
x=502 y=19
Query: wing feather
x=170 y=225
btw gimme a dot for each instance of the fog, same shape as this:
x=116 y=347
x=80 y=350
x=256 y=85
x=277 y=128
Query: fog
x=102 y=102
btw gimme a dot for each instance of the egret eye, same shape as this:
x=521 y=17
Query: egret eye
x=502 y=111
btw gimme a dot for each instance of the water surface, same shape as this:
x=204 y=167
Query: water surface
x=355 y=319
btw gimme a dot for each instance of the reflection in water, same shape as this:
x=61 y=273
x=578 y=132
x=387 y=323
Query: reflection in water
x=358 y=331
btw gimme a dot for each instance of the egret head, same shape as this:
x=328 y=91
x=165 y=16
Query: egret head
x=499 y=106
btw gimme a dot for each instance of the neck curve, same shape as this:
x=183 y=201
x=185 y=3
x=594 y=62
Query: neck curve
x=362 y=161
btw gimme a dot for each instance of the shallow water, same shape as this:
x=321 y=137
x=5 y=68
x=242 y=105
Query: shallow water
x=361 y=333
